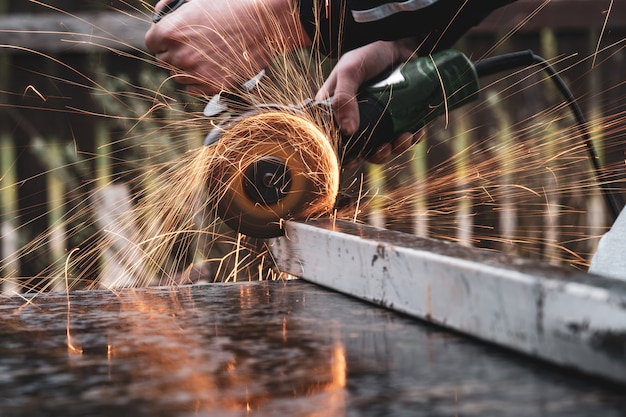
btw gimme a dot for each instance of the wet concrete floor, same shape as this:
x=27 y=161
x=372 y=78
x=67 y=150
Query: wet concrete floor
x=263 y=349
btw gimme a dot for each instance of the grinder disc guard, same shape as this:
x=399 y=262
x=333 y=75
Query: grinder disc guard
x=273 y=166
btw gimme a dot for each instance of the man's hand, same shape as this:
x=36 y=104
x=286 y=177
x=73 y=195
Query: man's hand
x=211 y=45
x=353 y=70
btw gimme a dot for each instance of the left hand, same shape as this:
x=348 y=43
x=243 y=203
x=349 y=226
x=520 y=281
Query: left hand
x=211 y=45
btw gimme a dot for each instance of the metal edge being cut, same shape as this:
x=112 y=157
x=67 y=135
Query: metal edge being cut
x=572 y=319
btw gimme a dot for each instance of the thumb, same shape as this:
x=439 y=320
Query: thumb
x=344 y=103
x=346 y=112
x=343 y=90
x=327 y=89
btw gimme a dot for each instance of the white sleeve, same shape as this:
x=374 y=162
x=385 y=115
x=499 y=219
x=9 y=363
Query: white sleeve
x=610 y=257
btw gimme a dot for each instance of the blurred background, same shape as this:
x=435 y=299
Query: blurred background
x=508 y=172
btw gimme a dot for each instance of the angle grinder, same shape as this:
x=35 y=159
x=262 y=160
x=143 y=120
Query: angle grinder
x=295 y=175
x=279 y=164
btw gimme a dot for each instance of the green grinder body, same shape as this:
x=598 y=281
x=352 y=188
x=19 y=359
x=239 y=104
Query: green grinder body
x=413 y=95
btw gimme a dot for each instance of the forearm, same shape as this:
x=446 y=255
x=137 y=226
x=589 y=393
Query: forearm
x=342 y=25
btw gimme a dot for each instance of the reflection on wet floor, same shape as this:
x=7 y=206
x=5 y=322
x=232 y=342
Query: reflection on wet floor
x=267 y=349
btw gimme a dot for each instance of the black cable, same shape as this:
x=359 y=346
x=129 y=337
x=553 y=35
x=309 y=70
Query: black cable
x=525 y=59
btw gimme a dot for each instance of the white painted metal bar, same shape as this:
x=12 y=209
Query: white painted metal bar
x=572 y=319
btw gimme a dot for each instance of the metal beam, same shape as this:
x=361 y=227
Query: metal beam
x=570 y=318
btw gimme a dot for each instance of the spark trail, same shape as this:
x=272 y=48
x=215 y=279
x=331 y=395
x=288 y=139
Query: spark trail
x=148 y=216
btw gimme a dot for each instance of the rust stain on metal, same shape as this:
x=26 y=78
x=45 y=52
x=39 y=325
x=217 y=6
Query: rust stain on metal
x=380 y=253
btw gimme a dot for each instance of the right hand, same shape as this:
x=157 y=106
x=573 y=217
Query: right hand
x=212 y=45
x=353 y=70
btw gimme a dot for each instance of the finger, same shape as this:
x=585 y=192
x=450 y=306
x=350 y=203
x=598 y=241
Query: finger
x=327 y=89
x=168 y=60
x=160 y=37
x=153 y=37
x=180 y=60
x=166 y=32
x=153 y=40
x=345 y=105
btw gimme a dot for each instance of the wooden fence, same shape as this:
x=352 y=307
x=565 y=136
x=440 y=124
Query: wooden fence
x=55 y=120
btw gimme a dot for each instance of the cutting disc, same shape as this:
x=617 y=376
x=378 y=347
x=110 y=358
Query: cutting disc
x=274 y=166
